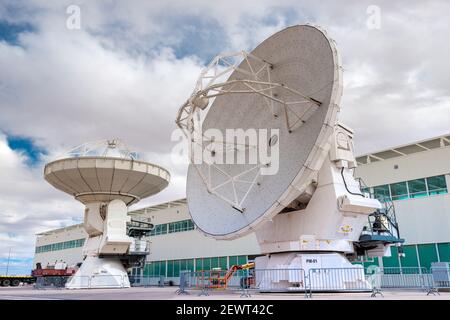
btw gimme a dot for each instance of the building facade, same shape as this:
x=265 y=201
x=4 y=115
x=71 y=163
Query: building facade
x=64 y=244
x=415 y=176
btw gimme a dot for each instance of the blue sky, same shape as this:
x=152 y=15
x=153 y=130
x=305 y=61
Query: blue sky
x=28 y=147
x=129 y=67
x=10 y=32
x=16 y=266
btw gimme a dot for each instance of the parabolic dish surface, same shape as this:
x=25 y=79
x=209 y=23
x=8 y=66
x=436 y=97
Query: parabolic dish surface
x=102 y=179
x=305 y=59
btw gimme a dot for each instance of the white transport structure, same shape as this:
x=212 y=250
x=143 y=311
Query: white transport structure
x=106 y=177
x=310 y=212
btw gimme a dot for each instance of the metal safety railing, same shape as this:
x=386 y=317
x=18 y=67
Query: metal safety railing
x=339 y=279
x=402 y=277
x=206 y=281
x=372 y=280
x=148 y=281
x=244 y=281
x=315 y=280
x=82 y=282
x=57 y=282
x=439 y=279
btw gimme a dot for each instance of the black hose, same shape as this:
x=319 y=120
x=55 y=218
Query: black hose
x=346 y=187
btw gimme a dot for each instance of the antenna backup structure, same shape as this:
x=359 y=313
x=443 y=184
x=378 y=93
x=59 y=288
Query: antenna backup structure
x=107 y=178
x=310 y=213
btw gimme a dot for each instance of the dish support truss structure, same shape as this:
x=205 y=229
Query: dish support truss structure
x=251 y=75
x=102 y=148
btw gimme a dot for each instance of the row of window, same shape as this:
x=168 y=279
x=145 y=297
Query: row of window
x=172 y=268
x=417 y=188
x=421 y=255
x=178 y=226
x=60 y=246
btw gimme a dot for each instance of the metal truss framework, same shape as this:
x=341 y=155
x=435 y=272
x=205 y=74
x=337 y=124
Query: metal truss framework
x=102 y=148
x=251 y=75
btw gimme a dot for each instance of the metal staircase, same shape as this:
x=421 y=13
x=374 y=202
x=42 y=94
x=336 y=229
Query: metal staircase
x=382 y=227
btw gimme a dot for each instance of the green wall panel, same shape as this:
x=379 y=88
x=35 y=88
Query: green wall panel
x=392 y=261
x=427 y=254
x=223 y=263
x=170 y=268
x=410 y=258
x=242 y=260
x=444 y=251
x=199 y=264
x=372 y=262
x=206 y=264
x=190 y=264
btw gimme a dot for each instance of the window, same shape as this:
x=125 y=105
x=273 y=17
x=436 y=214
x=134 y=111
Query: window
x=162 y=268
x=417 y=188
x=223 y=263
x=399 y=191
x=60 y=246
x=183 y=265
x=436 y=185
x=176 y=268
x=170 y=268
x=365 y=190
x=233 y=261
x=206 y=264
x=155 y=269
x=381 y=192
x=190 y=264
x=178 y=226
x=242 y=260
x=159 y=229
x=199 y=264
x=214 y=262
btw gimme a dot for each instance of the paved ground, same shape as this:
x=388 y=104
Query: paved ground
x=168 y=293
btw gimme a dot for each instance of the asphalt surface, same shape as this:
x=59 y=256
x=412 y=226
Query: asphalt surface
x=169 y=293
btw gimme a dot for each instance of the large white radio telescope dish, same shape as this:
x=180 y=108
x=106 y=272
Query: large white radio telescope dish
x=292 y=82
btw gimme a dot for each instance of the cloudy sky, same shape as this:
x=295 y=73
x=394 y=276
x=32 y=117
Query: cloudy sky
x=129 y=66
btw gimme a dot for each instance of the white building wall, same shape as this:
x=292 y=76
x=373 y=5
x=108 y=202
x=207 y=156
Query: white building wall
x=71 y=256
x=414 y=166
x=424 y=220
x=193 y=243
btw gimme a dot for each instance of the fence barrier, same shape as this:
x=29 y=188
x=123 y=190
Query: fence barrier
x=315 y=280
x=340 y=280
x=355 y=279
x=403 y=278
x=57 y=282
x=148 y=281
x=439 y=279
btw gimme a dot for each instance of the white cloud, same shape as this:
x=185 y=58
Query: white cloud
x=28 y=204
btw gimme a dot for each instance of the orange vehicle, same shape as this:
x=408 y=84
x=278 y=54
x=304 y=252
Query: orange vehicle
x=218 y=279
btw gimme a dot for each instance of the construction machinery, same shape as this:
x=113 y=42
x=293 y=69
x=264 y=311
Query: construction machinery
x=219 y=279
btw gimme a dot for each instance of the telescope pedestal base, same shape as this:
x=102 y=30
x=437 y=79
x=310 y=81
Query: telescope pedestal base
x=281 y=272
x=98 y=272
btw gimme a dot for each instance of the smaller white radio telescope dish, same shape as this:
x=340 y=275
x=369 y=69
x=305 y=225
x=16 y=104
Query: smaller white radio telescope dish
x=104 y=170
x=107 y=178
x=291 y=82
